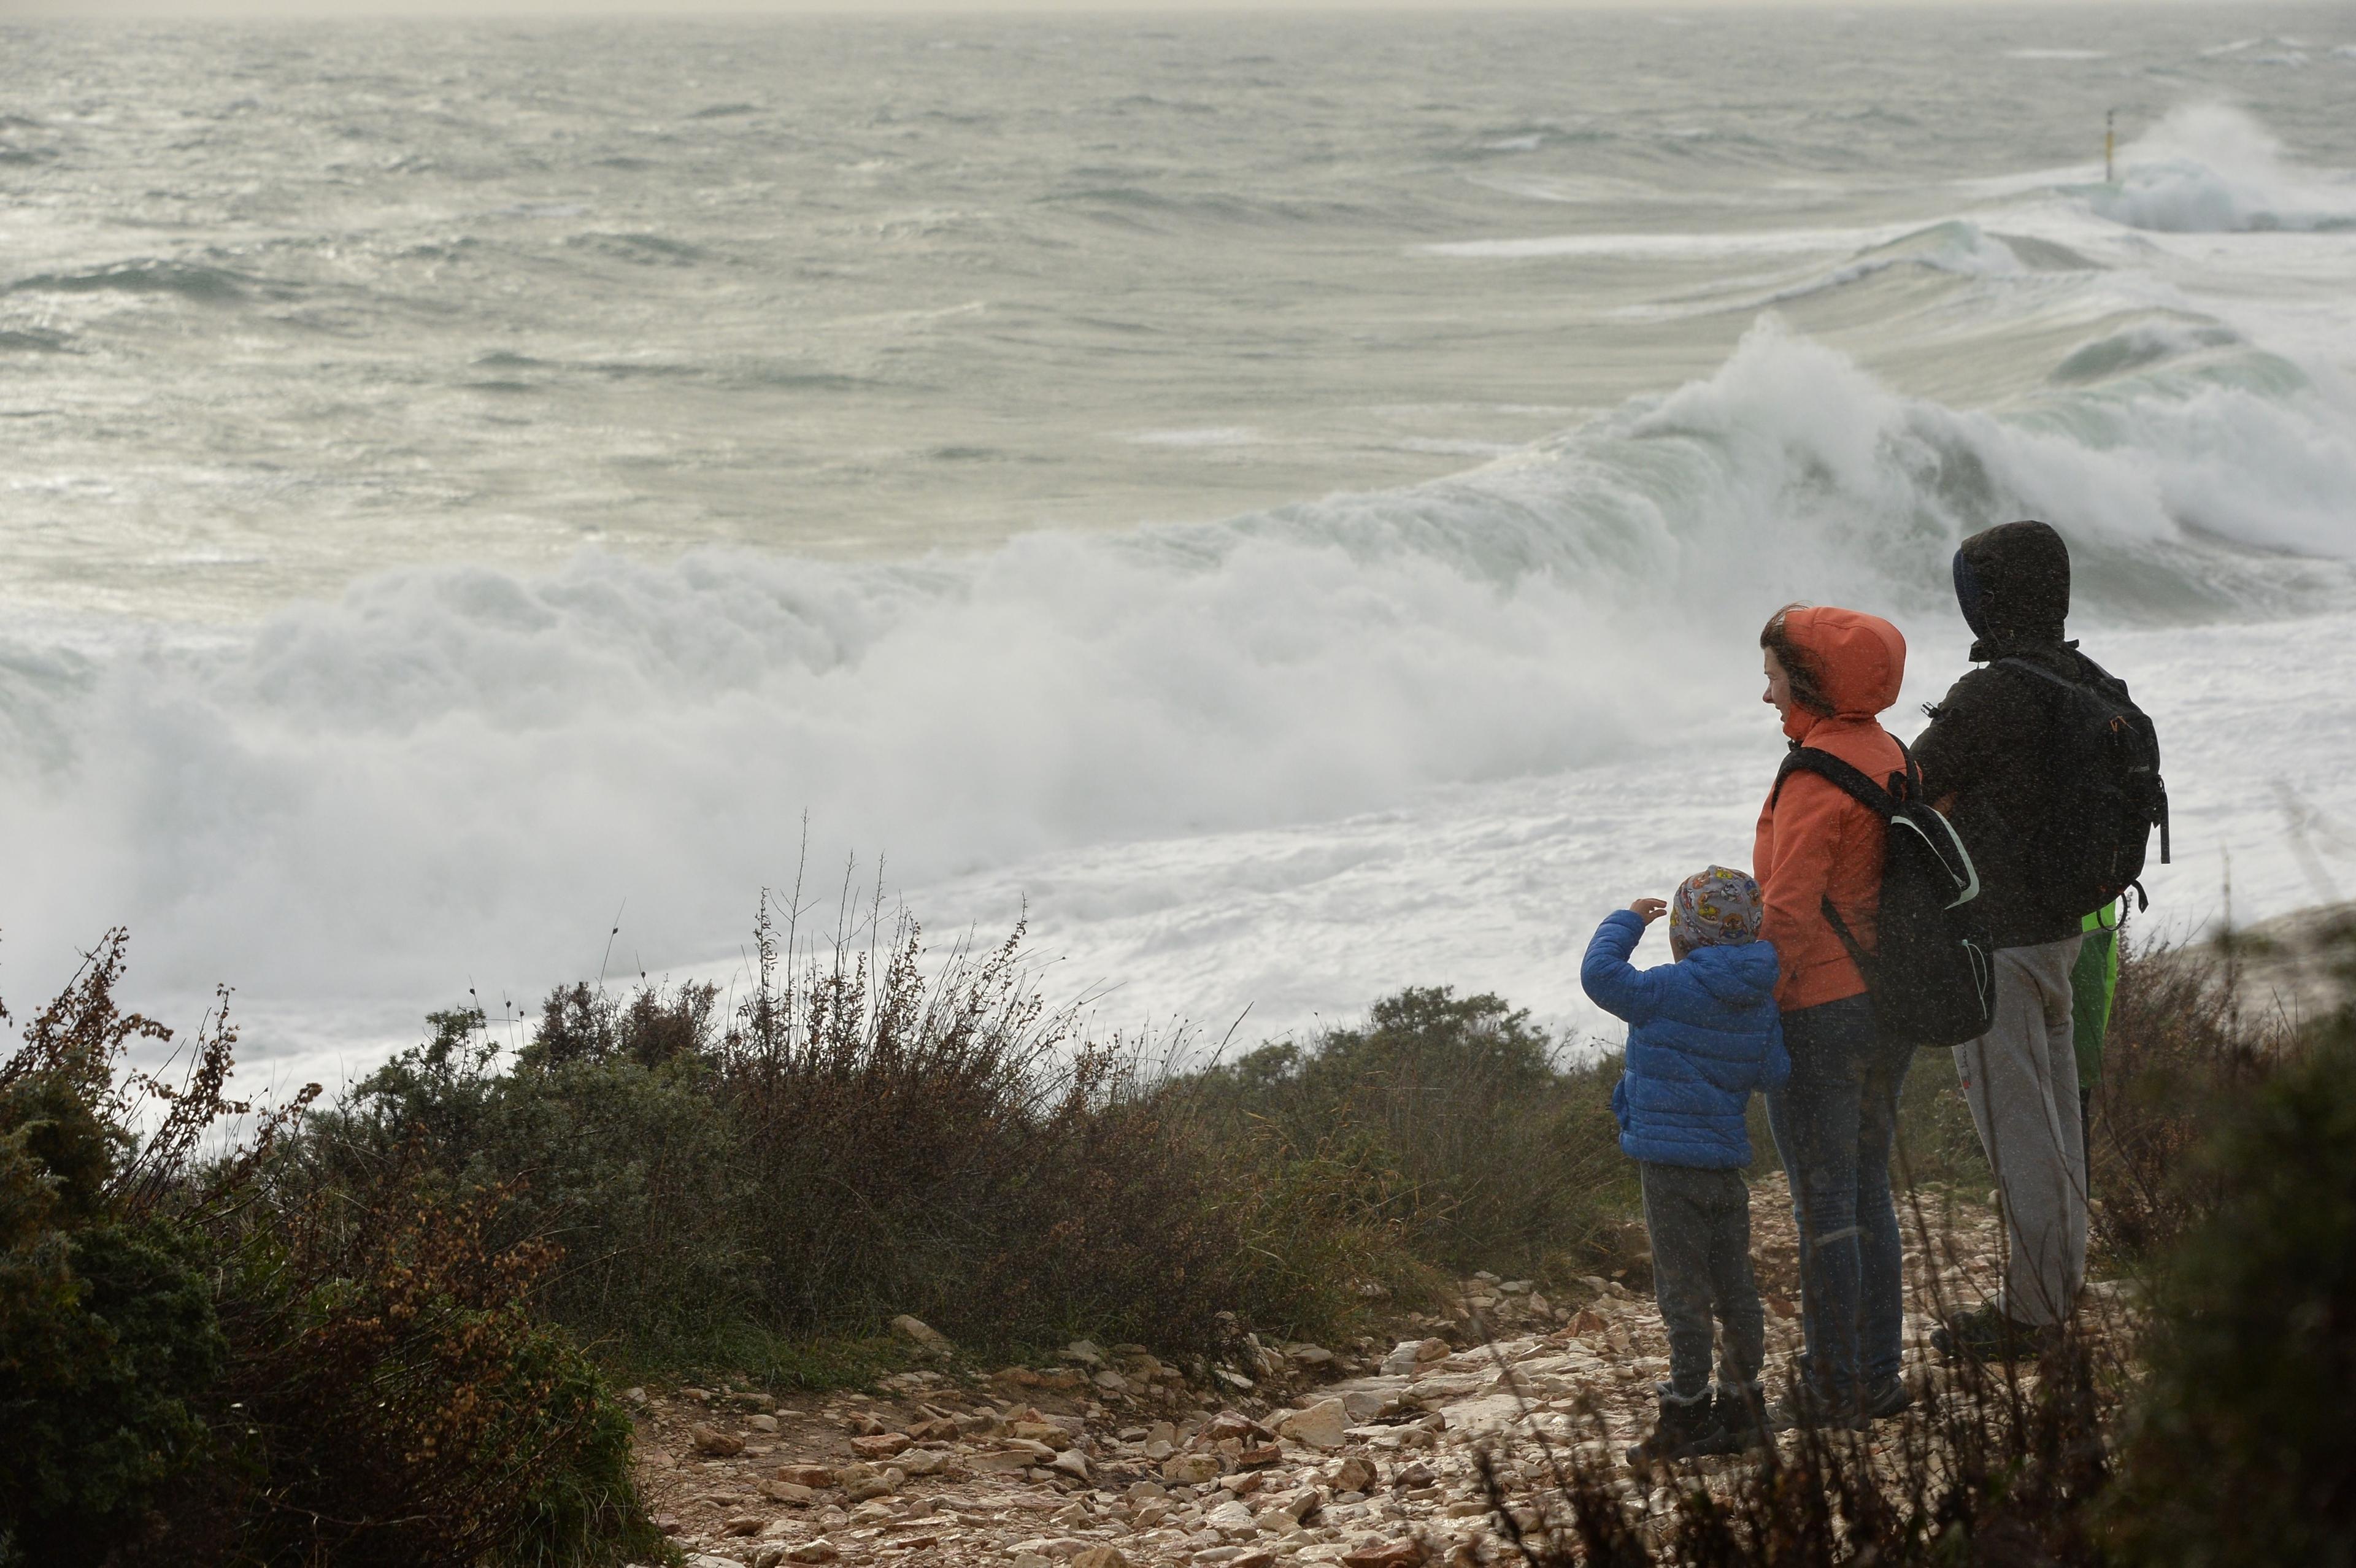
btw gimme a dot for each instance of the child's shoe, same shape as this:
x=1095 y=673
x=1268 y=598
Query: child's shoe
x=1887 y=1396
x=1686 y=1429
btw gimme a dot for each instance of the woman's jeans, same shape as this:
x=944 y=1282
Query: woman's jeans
x=1833 y=1121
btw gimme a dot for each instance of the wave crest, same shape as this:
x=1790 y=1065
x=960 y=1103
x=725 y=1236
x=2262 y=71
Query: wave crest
x=2210 y=167
x=365 y=797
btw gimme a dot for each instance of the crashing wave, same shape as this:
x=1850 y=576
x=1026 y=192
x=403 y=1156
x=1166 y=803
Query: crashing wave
x=388 y=785
x=2212 y=168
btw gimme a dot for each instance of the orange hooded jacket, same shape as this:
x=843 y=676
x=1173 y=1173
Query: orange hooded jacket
x=1814 y=841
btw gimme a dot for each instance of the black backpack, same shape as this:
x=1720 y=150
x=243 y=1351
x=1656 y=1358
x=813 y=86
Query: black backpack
x=1930 y=979
x=2107 y=753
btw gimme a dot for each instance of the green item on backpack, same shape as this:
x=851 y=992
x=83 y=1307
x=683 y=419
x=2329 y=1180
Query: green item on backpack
x=2094 y=981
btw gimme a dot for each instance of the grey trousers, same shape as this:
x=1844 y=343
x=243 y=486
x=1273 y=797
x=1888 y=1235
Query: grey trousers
x=2021 y=1079
x=1701 y=1225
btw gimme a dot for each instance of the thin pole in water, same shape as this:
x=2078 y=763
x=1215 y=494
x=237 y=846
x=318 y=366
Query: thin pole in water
x=2110 y=142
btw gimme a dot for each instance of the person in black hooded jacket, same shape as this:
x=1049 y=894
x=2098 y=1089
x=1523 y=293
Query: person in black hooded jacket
x=1991 y=760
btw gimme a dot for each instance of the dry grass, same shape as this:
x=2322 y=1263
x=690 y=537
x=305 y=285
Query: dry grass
x=871 y=1130
x=2180 y=1051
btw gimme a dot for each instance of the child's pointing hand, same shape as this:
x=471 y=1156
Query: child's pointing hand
x=1649 y=910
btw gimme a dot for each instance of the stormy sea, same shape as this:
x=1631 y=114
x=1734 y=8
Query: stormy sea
x=1284 y=506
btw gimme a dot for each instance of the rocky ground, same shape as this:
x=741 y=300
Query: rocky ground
x=1362 y=1456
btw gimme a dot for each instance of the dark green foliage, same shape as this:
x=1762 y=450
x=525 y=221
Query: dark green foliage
x=73 y=1154
x=107 y=1343
x=579 y=1023
x=2246 y=1448
x=107 y=1338
x=223 y=1357
x=850 y=1145
x=1444 y=1117
x=402 y=1403
x=627 y=1167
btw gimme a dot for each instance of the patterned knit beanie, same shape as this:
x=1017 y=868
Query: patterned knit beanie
x=1717 y=908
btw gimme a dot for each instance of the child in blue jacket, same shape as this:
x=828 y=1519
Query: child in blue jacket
x=1703 y=1032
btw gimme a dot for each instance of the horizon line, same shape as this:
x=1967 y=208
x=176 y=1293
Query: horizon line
x=1161 y=11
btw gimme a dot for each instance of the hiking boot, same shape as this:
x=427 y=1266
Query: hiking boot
x=1886 y=1397
x=1742 y=1415
x=1810 y=1407
x=1686 y=1429
x=1986 y=1334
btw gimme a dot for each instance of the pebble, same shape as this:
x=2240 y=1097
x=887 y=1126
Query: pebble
x=1373 y=1470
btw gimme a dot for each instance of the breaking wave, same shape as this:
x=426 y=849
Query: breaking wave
x=2210 y=167
x=362 y=798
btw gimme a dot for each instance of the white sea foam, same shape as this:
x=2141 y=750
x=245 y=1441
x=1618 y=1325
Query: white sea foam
x=1210 y=435
x=1422 y=731
x=2213 y=167
x=1497 y=887
x=457 y=771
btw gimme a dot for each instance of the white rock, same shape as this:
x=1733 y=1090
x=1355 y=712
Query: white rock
x=926 y=1337
x=1322 y=1425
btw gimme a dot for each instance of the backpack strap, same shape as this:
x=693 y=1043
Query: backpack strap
x=2042 y=673
x=1881 y=802
x=1904 y=784
x=1852 y=781
x=1857 y=952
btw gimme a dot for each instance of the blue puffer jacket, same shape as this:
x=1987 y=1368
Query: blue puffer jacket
x=1702 y=1034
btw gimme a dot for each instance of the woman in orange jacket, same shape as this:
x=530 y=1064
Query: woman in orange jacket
x=1829 y=672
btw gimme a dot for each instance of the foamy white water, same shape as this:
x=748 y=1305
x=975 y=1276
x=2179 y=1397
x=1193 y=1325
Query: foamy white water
x=1289 y=505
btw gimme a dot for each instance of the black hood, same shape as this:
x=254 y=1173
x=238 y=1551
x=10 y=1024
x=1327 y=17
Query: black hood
x=2013 y=583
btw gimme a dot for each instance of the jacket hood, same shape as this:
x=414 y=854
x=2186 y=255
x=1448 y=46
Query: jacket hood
x=1859 y=661
x=2012 y=583
x=1737 y=975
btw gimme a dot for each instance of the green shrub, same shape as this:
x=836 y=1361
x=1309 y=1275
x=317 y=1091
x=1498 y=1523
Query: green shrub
x=629 y=1167
x=401 y=1401
x=219 y=1357
x=1448 y=1121
x=2245 y=1451
x=108 y=1345
x=852 y=1143
x=108 y=1339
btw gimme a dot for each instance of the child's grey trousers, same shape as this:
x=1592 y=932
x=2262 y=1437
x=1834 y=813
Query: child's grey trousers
x=1700 y=1224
